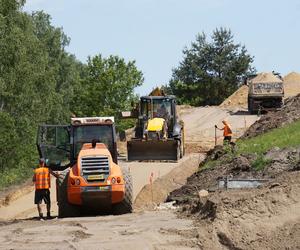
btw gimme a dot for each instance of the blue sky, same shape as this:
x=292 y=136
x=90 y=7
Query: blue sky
x=154 y=32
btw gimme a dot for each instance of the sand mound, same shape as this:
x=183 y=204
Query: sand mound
x=265 y=77
x=183 y=109
x=291 y=84
x=237 y=99
x=292 y=77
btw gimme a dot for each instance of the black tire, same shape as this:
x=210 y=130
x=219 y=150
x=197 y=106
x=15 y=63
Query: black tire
x=249 y=106
x=182 y=138
x=65 y=209
x=178 y=155
x=181 y=148
x=126 y=206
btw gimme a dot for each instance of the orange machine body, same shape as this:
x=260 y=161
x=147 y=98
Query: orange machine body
x=88 y=187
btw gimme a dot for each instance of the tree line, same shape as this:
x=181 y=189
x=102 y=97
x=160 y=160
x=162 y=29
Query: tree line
x=211 y=69
x=40 y=82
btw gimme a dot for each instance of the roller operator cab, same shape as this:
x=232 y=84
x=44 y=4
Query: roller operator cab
x=86 y=154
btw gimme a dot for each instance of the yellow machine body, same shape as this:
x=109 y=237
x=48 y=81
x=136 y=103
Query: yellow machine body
x=155 y=124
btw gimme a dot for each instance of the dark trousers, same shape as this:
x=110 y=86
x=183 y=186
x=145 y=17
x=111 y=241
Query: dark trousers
x=227 y=140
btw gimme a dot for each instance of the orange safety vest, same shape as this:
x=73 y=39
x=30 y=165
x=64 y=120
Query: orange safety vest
x=227 y=131
x=42 y=178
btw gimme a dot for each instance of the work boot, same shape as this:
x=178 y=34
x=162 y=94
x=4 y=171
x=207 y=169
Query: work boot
x=48 y=215
x=41 y=217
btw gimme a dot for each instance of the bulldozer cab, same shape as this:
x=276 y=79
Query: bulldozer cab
x=158 y=107
x=61 y=144
x=163 y=146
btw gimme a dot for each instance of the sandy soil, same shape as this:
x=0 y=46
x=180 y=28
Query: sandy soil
x=140 y=230
x=238 y=99
x=291 y=84
x=263 y=218
x=23 y=207
x=199 y=126
x=153 y=194
x=267 y=217
x=145 y=230
x=142 y=171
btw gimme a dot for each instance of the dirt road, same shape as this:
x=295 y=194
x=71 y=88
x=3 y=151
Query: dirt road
x=141 y=172
x=146 y=230
x=143 y=230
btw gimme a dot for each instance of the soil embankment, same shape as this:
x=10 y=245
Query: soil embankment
x=289 y=113
x=263 y=218
x=267 y=217
x=157 y=192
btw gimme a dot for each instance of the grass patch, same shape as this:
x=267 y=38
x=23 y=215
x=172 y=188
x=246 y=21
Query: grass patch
x=210 y=164
x=14 y=176
x=287 y=136
x=260 y=163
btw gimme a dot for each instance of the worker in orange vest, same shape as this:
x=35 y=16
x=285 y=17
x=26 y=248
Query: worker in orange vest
x=227 y=132
x=41 y=179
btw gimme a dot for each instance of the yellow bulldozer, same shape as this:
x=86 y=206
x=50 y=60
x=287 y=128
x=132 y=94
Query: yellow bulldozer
x=158 y=134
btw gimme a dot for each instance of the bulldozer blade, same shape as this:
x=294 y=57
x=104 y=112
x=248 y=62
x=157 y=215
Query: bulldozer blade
x=152 y=150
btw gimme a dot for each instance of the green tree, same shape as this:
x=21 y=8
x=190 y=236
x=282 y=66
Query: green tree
x=25 y=80
x=210 y=70
x=40 y=82
x=66 y=69
x=108 y=87
x=37 y=82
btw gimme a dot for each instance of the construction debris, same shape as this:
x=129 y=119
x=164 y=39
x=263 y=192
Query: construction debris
x=166 y=206
x=241 y=183
x=203 y=193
